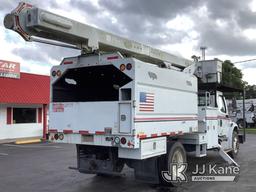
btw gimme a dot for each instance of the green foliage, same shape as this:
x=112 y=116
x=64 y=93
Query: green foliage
x=231 y=75
x=250 y=91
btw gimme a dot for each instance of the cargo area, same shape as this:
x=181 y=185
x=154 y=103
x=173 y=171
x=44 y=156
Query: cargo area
x=89 y=84
x=91 y=96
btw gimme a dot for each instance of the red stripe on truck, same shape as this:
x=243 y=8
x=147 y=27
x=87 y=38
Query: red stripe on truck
x=67 y=131
x=99 y=132
x=145 y=119
x=154 y=135
x=67 y=62
x=84 y=132
x=142 y=136
x=112 y=57
x=53 y=131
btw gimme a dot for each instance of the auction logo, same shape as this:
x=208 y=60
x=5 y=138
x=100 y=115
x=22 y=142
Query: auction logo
x=215 y=173
x=176 y=173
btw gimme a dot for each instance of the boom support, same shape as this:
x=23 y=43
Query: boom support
x=30 y=21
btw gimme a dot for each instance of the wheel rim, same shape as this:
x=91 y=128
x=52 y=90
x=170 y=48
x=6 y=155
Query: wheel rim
x=235 y=144
x=240 y=124
x=177 y=158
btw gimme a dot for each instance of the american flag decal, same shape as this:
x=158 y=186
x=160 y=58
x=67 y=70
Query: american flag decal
x=147 y=102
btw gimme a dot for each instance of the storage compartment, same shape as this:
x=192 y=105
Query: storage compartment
x=93 y=83
x=148 y=148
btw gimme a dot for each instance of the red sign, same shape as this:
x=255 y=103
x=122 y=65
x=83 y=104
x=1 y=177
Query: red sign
x=9 y=69
x=58 y=107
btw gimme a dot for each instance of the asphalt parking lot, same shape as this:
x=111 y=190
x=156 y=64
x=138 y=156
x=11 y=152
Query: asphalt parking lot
x=44 y=167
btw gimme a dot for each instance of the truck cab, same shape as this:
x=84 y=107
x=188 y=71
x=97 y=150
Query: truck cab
x=212 y=109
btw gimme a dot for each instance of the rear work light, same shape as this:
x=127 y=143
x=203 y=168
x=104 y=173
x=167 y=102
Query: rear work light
x=117 y=140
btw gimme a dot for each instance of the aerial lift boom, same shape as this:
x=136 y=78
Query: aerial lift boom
x=30 y=22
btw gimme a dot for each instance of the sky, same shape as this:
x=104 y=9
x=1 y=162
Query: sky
x=226 y=27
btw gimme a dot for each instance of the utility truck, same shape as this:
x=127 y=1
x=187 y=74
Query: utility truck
x=123 y=102
x=235 y=108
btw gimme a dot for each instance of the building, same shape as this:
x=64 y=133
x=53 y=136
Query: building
x=23 y=106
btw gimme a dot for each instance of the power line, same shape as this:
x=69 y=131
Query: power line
x=244 y=61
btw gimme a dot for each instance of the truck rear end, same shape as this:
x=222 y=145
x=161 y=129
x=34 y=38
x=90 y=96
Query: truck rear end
x=87 y=99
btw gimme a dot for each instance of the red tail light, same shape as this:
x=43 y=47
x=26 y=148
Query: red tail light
x=58 y=73
x=56 y=136
x=123 y=140
x=122 y=67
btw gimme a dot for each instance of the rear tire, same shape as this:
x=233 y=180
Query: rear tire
x=235 y=145
x=240 y=123
x=176 y=155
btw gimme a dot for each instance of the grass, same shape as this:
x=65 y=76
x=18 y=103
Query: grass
x=250 y=130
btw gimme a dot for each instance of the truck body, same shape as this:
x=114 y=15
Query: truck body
x=109 y=105
x=122 y=102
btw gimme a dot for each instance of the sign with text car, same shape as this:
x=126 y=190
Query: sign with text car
x=9 y=69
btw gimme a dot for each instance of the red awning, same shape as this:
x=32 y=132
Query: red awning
x=29 y=89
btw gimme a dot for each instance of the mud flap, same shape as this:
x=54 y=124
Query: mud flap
x=147 y=170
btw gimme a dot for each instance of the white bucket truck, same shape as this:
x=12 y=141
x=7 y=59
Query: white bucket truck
x=122 y=102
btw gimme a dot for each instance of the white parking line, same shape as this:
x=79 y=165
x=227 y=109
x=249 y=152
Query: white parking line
x=3 y=154
x=32 y=146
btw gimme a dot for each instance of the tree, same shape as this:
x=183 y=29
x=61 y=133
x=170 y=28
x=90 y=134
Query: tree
x=250 y=91
x=231 y=75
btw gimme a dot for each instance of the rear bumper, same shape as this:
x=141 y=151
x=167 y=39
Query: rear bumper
x=97 y=139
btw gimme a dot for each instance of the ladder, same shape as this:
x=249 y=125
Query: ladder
x=30 y=22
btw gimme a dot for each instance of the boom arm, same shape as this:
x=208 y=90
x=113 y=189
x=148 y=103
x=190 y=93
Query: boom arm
x=30 y=21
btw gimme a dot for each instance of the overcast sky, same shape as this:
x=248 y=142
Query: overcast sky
x=226 y=27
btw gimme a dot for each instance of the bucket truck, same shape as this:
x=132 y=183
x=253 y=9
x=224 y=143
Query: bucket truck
x=125 y=103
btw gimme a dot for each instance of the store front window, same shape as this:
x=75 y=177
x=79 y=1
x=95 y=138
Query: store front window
x=24 y=115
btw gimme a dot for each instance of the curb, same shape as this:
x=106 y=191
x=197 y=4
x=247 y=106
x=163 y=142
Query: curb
x=27 y=141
